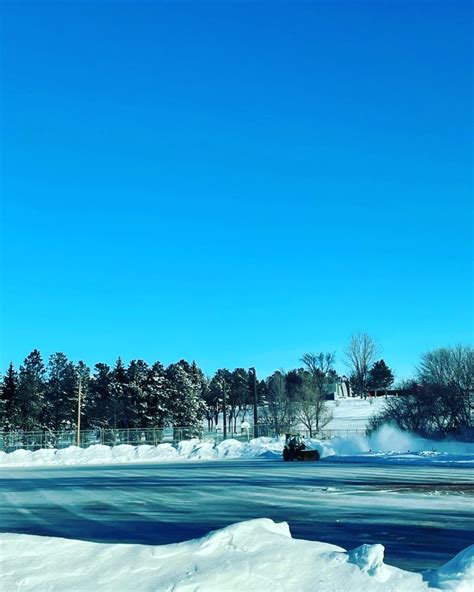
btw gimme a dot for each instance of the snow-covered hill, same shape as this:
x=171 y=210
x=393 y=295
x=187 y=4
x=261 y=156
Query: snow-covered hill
x=353 y=413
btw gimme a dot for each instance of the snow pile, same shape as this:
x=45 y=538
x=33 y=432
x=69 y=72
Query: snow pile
x=387 y=444
x=255 y=556
x=456 y=575
x=99 y=454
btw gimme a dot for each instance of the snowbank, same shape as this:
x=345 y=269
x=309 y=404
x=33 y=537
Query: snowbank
x=388 y=444
x=255 y=556
x=125 y=453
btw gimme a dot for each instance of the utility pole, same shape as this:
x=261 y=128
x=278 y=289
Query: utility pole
x=255 y=413
x=79 y=413
x=224 y=408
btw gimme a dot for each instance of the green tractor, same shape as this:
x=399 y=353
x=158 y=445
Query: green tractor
x=295 y=449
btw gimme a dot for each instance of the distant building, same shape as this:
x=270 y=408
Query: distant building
x=339 y=389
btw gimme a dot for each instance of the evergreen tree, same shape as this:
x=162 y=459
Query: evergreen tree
x=199 y=384
x=184 y=401
x=98 y=411
x=137 y=394
x=31 y=388
x=380 y=376
x=60 y=398
x=8 y=398
x=118 y=403
x=158 y=412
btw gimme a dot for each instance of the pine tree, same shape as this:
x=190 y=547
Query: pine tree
x=31 y=388
x=380 y=376
x=8 y=398
x=118 y=396
x=199 y=383
x=158 y=412
x=137 y=394
x=97 y=406
x=60 y=399
x=185 y=403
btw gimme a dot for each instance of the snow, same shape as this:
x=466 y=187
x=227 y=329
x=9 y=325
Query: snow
x=255 y=556
x=353 y=413
x=388 y=444
x=457 y=574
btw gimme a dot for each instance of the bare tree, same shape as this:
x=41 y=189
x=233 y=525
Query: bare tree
x=313 y=409
x=449 y=372
x=448 y=366
x=319 y=366
x=277 y=412
x=360 y=354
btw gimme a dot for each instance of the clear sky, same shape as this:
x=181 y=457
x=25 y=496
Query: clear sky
x=236 y=183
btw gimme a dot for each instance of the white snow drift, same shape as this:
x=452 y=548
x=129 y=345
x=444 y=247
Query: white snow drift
x=387 y=444
x=255 y=556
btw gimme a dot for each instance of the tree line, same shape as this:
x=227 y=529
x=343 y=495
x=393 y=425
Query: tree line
x=437 y=402
x=42 y=395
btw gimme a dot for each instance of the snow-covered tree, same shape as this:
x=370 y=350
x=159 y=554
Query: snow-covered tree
x=26 y=413
x=184 y=396
x=117 y=403
x=60 y=397
x=137 y=394
x=97 y=411
x=158 y=413
x=8 y=398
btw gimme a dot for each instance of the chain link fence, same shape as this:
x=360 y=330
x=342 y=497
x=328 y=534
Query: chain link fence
x=15 y=440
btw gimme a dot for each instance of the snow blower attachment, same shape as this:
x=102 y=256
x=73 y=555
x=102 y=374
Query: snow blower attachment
x=295 y=449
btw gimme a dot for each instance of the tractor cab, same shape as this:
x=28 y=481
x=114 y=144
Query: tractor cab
x=295 y=449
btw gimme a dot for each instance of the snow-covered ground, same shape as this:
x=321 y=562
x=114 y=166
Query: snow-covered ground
x=388 y=444
x=348 y=414
x=256 y=556
x=353 y=413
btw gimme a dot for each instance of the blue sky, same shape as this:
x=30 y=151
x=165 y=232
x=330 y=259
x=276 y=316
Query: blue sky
x=236 y=183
